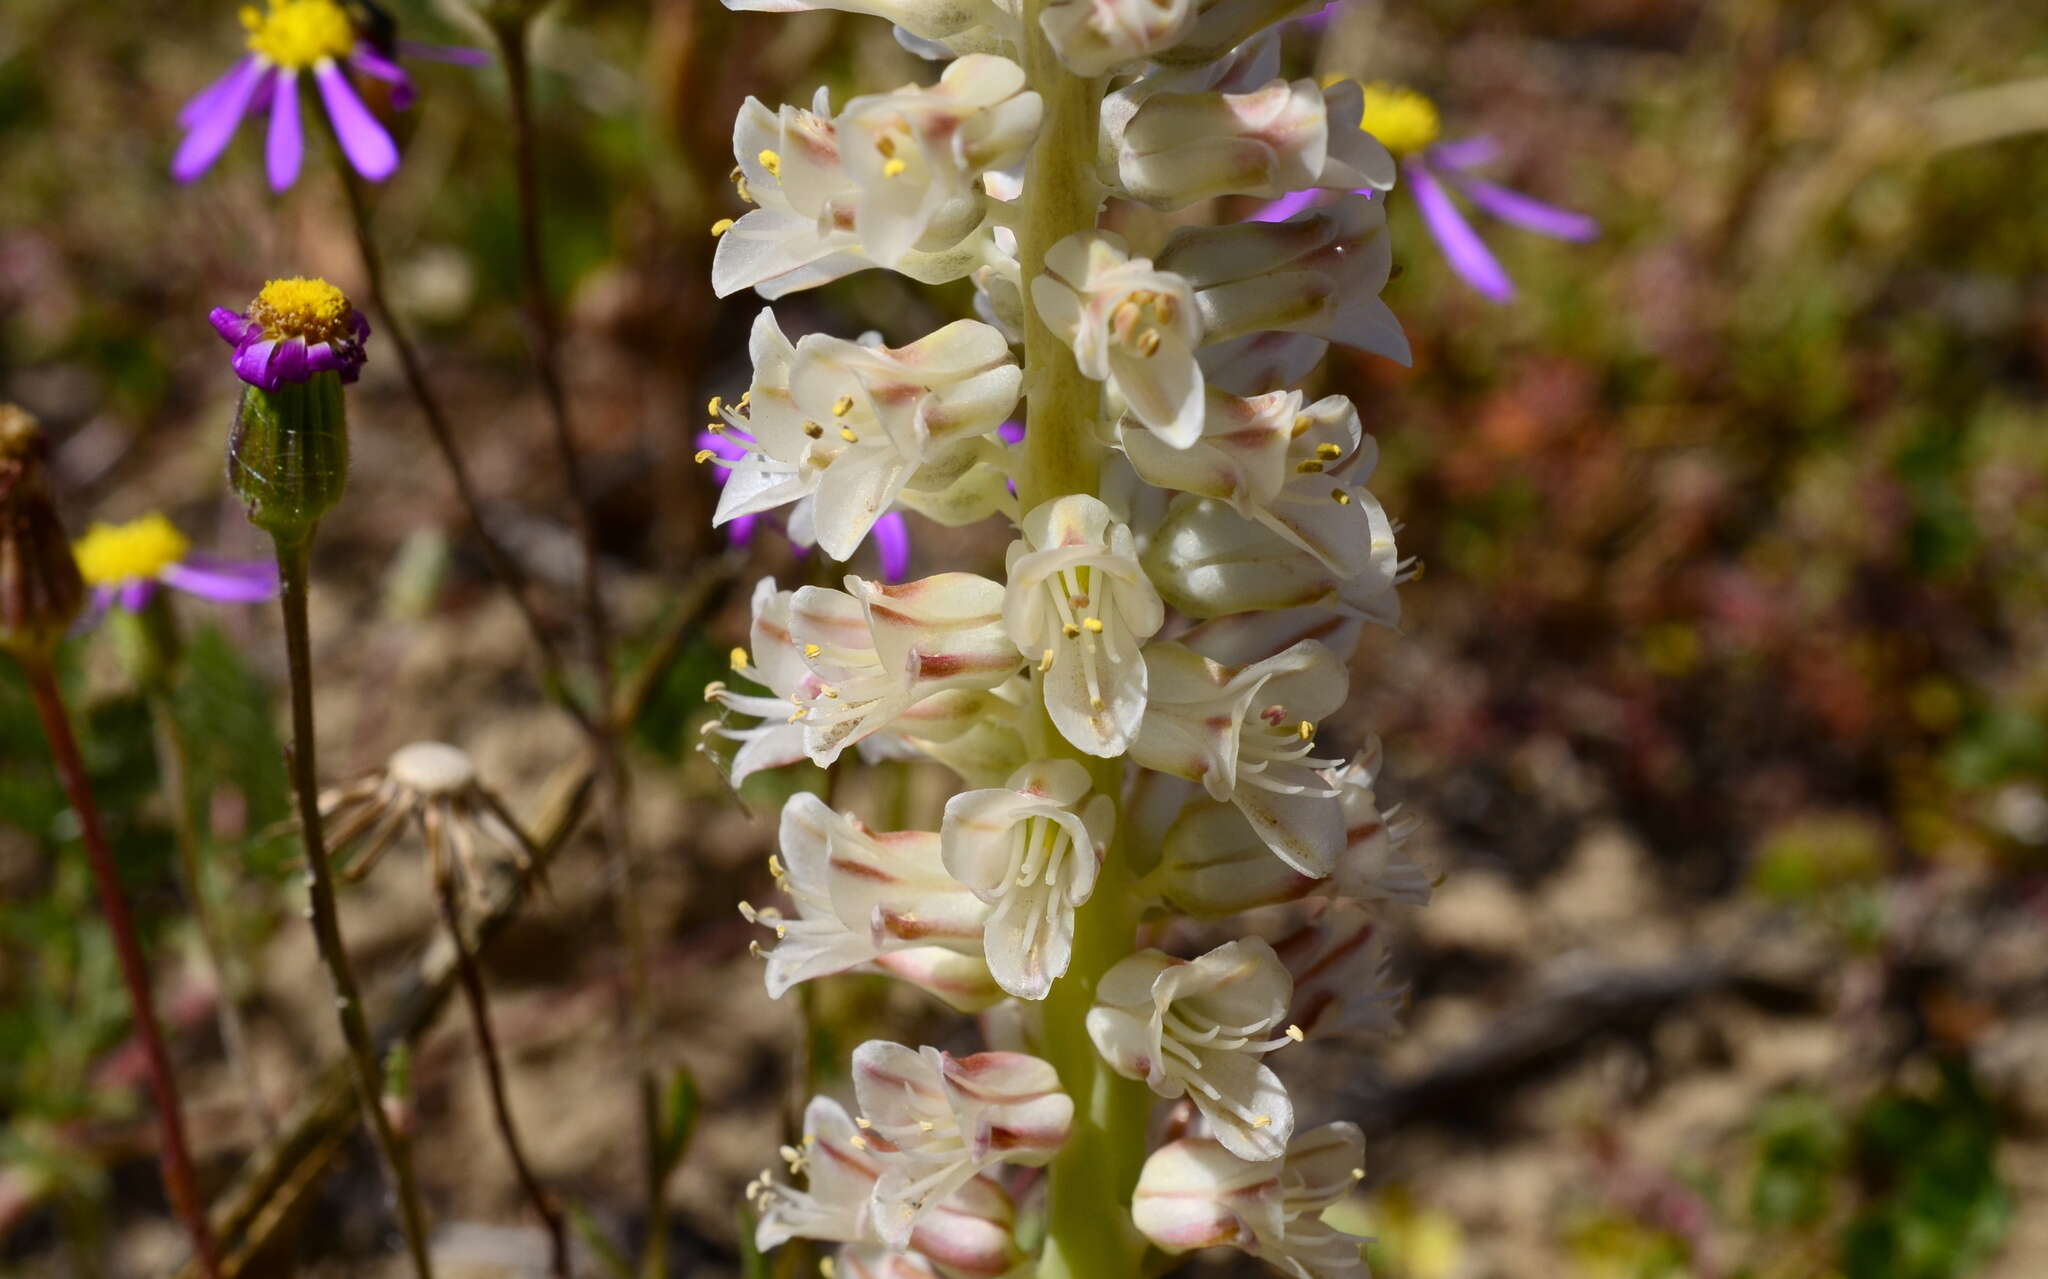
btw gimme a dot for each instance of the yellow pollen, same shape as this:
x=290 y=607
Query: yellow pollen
x=738 y=659
x=1309 y=466
x=812 y=650
x=720 y=227
x=297 y=34
x=714 y=427
x=1329 y=452
x=894 y=169
x=140 y=549
x=813 y=430
x=1340 y=497
x=846 y=433
x=716 y=407
x=1305 y=730
x=771 y=162
x=1092 y=625
x=704 y=455
x=842 y=406
x=1403 y=120
x=300 y=308
x=1070 y=630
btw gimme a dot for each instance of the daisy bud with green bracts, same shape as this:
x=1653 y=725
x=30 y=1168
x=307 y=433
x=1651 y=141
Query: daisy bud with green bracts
x=41 y=592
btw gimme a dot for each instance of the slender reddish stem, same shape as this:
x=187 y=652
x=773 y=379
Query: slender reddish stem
x=180 y=1183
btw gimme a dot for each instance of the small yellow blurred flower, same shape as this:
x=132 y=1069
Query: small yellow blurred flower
x=1403 y=120
x=109 y=554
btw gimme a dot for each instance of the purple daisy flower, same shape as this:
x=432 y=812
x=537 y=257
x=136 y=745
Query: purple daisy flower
x=291 y=38
x=294 y=329
x=126 y=563
x=891 y=532
x=1407 y=123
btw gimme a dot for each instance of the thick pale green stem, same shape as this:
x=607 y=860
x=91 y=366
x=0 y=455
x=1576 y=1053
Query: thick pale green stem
x=1088 y=1230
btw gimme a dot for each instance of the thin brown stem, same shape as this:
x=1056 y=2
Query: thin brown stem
x=292 y=564
x=181 y=1184
x=472 y=982
x=507 y=569
x=622 y=875
x=171 y=757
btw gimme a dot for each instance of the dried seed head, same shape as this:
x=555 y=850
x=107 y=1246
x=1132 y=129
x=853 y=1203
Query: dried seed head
x=41 y=591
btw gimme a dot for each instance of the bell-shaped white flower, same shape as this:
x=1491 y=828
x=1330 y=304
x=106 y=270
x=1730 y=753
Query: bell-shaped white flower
x=774 y=739
x=1247 y=735
x=1376 y=865
x=937 y=1121
x=1095 y=37
x=1200 y=1029
x=1208 y=561
x=961 y=981
x=892 y=181
x=1030 y=850
x=842 y=429
x=858 y=895
x=1213 y=864
x=875 y=653
x=1195 y=1193
x=918 y=154
x=970 y=1233
x=1178 y=148
x=1129 y=325
x=1277 y=463
x=1079 y=605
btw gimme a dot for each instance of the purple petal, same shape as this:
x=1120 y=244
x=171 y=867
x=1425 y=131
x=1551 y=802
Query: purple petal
x=223 y=581
x=1467 y=254
x=375 y=65
x=215 y=114
x=252 y=364
x=1285 y=207
x=232 y=325
x=1465 y=153
x=206 y=99
x=721 y=444
x=135 y=596
x=739 y=532
x=290 y=362
x=368 y=147
x=892 y=539
x=286 y=145
x=455 y=53
x=1516 y=209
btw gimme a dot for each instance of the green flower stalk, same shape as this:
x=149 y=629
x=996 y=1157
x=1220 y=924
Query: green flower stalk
x=1195 y=554
x=41 y=595
x=288 y=462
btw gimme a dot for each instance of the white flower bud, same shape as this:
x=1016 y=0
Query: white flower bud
x=1199 y=1028
x=1208 y=561
x=1195 y=1193
x=937 y=1121
x=1331 y=292
x=1078 y=603
x=1178 y=148
x=1095 y=37
x=845 y=430
x=1030 y=850
x=1129 y=325
x=1246 y=734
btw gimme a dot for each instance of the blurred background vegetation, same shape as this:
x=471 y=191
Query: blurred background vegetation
x=1724 y=696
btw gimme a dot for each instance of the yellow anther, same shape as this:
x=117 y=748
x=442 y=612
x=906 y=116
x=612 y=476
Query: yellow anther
x=1261 y=1121
x=886 y=145
x=842 y=406
x=894 y=169
x=1296 y=1034
x=1093 y=625
x=1329 y=452
x=738 y=658
x=812 y=650
x=1358 y=1174
x=1045 y=662
x=864 y=1122
x=1070 y=630
x=1166 y=308
x=1303 y=423
x=1308 y=466
x=827 y=691
x=775 y=866
x=771 y=162
x=1305 y=731
x=857 y=1141
x=704 y=455
x=721 y=226
x=800 y=714
x=825 y=1267
x=716 y=428
x=1340 y=497
x=1096 y=703
x=717 y=405
x=1148 y=343
x=925 y=1125
x=846 y=433
x=813 y=430
x=714 y=690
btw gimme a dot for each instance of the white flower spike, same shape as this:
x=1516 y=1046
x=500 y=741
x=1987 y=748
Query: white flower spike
x=1030 y=850
x=1195 y=1193
x=1200 y=1028
x=937 y=1121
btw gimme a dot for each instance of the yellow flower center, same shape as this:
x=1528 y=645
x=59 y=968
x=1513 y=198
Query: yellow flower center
x=295 y=34
x=1403 y=120
x=109 y=554
x=300 y=308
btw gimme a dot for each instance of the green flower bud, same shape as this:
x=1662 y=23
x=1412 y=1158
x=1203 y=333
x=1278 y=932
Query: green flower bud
x=288 y=454
x=41 y=592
